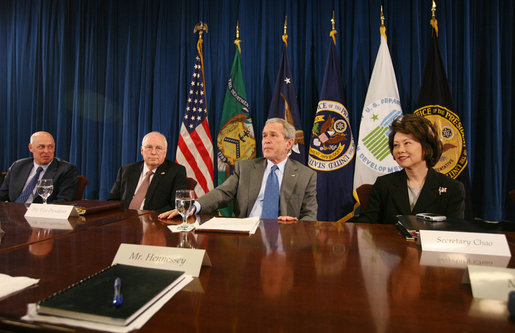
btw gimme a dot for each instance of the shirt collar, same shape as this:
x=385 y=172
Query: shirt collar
x=280 y=165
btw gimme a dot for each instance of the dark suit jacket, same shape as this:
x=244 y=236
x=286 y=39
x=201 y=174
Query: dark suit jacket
x=168 y=178
x=63 y=173
x=389 y=198
x=297 y=197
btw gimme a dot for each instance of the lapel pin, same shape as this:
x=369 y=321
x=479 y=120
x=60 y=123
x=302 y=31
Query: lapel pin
x=163 y=173
x=442 y=190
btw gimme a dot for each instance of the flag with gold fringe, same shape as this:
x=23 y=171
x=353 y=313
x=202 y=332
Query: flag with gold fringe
x=235 y=139
x=284 y=102
x=382 y=106
x=332 y=149
x=195 y=147
x=435 y=102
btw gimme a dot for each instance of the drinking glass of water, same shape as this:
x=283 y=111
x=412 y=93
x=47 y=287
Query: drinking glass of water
x=44 y=188
x=184 y=200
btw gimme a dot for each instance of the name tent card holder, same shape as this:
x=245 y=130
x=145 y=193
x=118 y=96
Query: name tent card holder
x=50 y=216
x=491 y=282
x=162 y=257
x=464 y=242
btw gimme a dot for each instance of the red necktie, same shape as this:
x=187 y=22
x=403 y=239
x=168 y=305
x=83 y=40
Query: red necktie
x=139 y=196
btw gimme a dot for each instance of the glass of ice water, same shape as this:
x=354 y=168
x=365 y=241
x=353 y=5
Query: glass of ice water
x=184 y=200
x=44 y=188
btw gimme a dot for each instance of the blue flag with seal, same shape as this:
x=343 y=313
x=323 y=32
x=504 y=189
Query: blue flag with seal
x=284 y=104
x=332 y=149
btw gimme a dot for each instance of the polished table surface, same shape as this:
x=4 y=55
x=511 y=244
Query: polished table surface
x=19 y=232
x=307 y=276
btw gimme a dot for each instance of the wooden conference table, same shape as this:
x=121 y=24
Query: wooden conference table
x=315 y=277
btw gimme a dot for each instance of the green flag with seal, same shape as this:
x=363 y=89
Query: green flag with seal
x=235 y=139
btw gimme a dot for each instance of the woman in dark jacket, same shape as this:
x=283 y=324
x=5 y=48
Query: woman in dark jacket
x=415 y=145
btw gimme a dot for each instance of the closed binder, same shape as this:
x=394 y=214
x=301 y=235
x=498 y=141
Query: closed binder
x=92 y=298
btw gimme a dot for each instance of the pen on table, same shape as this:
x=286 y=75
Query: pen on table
x=118 y=297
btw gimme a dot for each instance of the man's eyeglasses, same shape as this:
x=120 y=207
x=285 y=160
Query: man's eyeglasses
x=158 y=149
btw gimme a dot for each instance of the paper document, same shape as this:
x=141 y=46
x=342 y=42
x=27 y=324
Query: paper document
x=10 y=285
x=231 y=224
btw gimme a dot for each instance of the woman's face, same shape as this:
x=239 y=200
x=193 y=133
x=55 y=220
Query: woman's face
x=407 y=151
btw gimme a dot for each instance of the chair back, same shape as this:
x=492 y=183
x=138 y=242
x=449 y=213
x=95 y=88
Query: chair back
x=192 y=183
x=363 y=193
x=81 y=186
x=512 y=195
x=2 y=177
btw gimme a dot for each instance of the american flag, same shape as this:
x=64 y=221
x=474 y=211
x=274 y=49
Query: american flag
x=195 y=148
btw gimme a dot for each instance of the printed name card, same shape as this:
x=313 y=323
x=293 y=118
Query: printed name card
x=169 y=258
x=49 y=211
x=491 y=282
x=461 y=260
x=464 y=242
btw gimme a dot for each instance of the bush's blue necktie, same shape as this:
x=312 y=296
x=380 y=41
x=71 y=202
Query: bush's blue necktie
x=30 y=187
x=271 y=199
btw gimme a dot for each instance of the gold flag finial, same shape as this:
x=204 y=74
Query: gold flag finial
x=200 y=28
x=333 y=30
x=382 y=28
x=237 y=40
x=285 y=28
x=434 y=21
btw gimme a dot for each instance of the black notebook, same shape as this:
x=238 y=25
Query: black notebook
x=92 y=298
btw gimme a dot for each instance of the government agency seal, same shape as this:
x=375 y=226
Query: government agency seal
x=332 y=146
x=448 y=124
x=236 y=141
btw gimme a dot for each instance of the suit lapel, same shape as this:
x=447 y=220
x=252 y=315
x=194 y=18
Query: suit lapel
x=132 y=180
x=254 y=185
x=400 y=195
x=290 y=177
x=428 y=193
x=21 y=177
x=159 y=173
x=51 y=171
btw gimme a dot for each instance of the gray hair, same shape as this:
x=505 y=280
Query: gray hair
x=154 y=132
x=288 y=129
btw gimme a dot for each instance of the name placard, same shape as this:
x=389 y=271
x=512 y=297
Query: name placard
x=491 y=282
x=49 y=223
x=169 y=258
x=464 y=242
x=50 y=211
x=461 y=260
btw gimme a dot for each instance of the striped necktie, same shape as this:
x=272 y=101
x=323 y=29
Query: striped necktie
x=30 y=187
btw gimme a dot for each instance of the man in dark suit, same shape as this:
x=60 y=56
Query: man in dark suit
x=20 y=183
x=150 y=184
x=248 y=184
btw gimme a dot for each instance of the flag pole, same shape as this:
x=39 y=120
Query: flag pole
x=434 y=21
x=201 y=28
x=382 y=29
x=285 y=28
x=333 y=30
x=237 y=41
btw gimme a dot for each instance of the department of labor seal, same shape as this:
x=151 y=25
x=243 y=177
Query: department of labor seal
x=332 y=146
x=236 y=141
x=454 y=156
